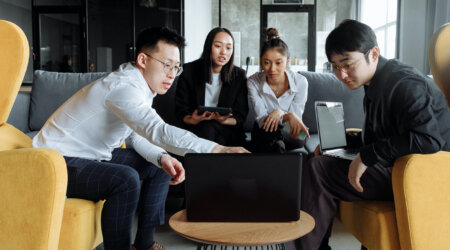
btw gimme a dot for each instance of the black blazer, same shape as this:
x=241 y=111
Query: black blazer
x=191 y=92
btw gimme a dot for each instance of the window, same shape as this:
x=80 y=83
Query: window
x=330 y=13
x=381 y=16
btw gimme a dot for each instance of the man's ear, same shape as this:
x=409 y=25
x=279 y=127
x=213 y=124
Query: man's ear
x=141 y=60
x=375 y=53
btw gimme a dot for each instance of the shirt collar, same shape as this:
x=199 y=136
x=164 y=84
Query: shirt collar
x=140 y=80
x=291 y=81
x=373 y=82
x=266 y=88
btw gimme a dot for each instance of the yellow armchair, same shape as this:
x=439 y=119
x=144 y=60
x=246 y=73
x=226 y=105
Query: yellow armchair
x=34 y=212
x=419 y=217
x=33 y=184
x=422 y=202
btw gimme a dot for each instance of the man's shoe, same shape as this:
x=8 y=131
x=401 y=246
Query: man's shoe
x=155 y=246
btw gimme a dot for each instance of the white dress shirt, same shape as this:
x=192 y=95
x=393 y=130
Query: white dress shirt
x=99 y=117
x=264 y=101
x=212 y=90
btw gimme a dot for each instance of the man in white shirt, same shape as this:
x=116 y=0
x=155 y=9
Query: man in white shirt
x=92 y=124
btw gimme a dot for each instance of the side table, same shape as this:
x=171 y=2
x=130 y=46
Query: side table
x=244 y=234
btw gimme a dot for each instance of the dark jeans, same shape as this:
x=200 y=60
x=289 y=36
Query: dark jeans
x=265 y=142
x=118 y=182
x=325 y=183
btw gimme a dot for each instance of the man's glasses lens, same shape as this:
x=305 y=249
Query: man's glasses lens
x=167 y=67
x=175 y=69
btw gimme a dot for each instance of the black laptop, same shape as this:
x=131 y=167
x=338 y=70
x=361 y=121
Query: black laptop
x=243 y=187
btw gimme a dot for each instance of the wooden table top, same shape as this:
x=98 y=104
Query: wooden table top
x=241 y=233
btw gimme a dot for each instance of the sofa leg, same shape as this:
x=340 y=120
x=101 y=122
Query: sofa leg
x=363 y=247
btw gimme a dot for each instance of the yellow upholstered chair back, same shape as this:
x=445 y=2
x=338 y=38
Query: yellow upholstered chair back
x=14 y=53
x=439 y=59
x=33 y=181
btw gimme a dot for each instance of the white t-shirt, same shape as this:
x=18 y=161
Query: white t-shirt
x=264 y=101
x=100 y=116
x=212 y=90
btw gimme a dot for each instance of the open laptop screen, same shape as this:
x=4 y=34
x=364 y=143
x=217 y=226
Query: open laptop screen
x=243 y=187
x=330 y=125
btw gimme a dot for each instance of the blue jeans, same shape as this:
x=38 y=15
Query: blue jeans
x=118 y=182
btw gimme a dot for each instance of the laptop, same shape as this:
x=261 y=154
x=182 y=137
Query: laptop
x=331 y=129
x=243 y=187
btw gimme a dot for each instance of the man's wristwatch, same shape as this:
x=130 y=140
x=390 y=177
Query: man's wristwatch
x=160 y=156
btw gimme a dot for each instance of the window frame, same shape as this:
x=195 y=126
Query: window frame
x=386 y=26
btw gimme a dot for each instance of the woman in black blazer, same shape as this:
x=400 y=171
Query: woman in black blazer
x=213 y=80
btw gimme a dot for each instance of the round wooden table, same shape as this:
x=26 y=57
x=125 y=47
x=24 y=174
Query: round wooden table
x=241 y=233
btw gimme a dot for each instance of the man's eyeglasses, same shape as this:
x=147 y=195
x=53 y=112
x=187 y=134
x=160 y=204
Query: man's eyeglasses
x=168 y=68
x=350 y=67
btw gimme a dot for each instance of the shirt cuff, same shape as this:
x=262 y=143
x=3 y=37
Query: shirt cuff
x=368 y=156
x=159 y=158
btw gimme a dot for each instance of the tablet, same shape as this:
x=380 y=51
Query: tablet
x=220 y=110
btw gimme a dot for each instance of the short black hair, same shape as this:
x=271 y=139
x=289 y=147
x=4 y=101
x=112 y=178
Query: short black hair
x=350 y=35
x=149 y=38
x=227 y=69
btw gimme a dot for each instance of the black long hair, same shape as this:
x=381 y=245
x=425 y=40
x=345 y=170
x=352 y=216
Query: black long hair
x=227 y=70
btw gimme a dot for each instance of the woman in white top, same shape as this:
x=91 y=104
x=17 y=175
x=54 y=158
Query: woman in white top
x=278 y=96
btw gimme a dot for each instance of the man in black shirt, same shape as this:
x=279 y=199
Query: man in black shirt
x=405 y=113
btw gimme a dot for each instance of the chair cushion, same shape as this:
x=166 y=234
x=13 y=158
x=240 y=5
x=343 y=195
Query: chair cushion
x=373 y=223
x=51 y=89
x=81 y=225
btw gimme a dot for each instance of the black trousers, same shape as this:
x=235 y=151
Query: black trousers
x=325 y=182
x=223 y=134
x=118 y=182
x=265 y=142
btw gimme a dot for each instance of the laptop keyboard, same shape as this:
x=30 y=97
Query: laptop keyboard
x=347 y=152
x=343 y=153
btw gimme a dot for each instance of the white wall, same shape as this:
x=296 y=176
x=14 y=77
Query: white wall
x=412 y=33
x=197 y=24
x=419 y=19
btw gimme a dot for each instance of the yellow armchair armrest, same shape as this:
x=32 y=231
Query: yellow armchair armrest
x=421 y=186
x=33 y=185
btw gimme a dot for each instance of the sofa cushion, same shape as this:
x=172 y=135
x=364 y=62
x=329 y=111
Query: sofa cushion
x=326 y=87
x=19 y=113
x=51 y=89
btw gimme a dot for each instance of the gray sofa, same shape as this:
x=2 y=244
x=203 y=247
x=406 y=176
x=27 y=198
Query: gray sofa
x=51 y=89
